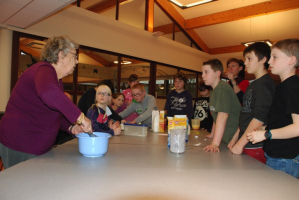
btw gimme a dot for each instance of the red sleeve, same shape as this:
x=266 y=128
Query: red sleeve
x=243 y=85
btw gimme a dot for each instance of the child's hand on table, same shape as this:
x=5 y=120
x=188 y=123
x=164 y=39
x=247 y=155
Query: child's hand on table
x=117 y=131
x=213 y=148
x=236 y=149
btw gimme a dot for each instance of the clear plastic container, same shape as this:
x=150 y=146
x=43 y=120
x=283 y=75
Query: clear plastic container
x=135 y=130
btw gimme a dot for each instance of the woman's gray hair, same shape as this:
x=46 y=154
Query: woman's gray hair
x=56 y=44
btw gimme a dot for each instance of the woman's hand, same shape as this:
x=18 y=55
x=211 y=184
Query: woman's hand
x=230 y=76
x=213 y=148
x=123 y=121
x=86 y=125
x=76 y=129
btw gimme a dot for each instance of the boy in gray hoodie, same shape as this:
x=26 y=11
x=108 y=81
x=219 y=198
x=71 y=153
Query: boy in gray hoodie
x=143 y=105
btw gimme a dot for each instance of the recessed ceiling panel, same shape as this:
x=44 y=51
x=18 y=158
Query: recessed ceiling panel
x=17 y=22
x=7 y=9
x=23 y=13
x=19 y=2
x=45 y=5
x=28 y=15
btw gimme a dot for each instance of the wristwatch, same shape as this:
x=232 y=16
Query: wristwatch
x=268 y=135
x=234 y=84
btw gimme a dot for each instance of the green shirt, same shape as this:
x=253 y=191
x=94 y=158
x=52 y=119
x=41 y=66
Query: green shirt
x=223 y=99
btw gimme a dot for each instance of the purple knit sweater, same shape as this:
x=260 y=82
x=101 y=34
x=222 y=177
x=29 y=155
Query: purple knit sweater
x=36 y=110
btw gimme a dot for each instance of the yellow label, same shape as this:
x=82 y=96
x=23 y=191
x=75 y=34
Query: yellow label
x=170 y=123
x=162 y=121
x=180 y=122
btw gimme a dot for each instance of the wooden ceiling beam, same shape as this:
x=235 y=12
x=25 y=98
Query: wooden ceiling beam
x=175 y=16
x=235 y=14
x=106 y=5
x=242 y=13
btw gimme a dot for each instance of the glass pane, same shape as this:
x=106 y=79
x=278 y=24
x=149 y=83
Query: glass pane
x=30 y=51
x=160 y=19
x=94 y=67
x=164 y=79
x=191 y=83
x=134 y=66
x=110 y=13
x=182 y=38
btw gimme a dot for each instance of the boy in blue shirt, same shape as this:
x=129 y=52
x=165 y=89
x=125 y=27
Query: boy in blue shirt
x=179 y=101
x=281 y=137
x=257 y=101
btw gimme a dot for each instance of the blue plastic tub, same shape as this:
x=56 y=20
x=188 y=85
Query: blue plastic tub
x=93 y=146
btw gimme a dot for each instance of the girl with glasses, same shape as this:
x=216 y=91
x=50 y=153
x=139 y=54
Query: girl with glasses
x=100 y=113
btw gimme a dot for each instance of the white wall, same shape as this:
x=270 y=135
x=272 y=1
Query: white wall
x=5 y=66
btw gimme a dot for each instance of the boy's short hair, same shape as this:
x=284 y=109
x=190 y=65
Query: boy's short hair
x=290 y=47
x=261 y=50
x=215 y=64
x=180 y=76
x=133 y=77
x=139 y=86
x=203 y=86
x=240 y=63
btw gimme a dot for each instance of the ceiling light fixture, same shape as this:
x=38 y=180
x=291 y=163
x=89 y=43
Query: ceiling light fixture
x=249 y=43
x=197 y=3
x=123 y=62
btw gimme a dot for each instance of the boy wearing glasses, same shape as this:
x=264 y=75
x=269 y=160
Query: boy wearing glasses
x=100 y=114
x=143 y=106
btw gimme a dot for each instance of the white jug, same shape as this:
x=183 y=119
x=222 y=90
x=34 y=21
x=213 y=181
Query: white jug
x=177 y=140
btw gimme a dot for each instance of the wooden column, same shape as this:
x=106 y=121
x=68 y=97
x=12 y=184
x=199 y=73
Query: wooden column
x=149 y=15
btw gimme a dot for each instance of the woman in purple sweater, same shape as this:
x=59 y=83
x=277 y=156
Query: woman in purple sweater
x=38 y=107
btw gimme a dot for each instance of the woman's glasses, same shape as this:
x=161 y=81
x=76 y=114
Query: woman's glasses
x=103 y=93
x=76 y=56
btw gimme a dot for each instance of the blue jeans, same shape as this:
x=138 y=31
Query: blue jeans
x=290 y=166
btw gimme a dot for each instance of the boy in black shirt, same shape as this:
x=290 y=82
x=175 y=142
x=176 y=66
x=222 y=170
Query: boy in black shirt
x=257 y=101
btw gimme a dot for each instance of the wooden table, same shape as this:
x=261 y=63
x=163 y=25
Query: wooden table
x=144 y=168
